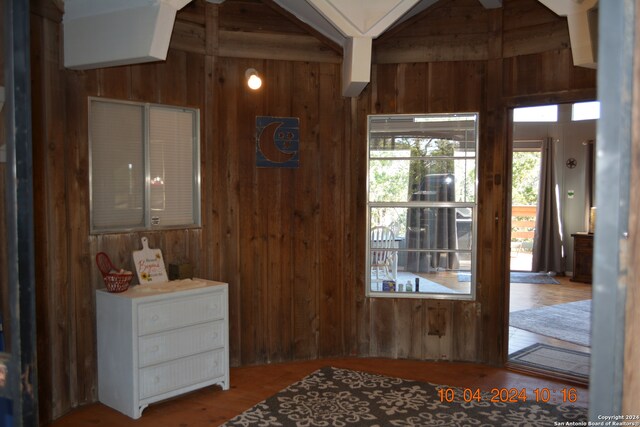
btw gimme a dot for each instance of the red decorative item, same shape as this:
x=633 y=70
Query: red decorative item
x=114 y=279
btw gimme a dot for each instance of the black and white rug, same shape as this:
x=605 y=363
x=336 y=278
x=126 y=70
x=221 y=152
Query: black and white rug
x=342 y=397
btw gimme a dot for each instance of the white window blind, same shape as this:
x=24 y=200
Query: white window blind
x=117 y=165
x=171 y=161
x=144 y=166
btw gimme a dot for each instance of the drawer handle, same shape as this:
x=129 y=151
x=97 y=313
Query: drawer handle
x=156 y=379
x=155 y=317
x=154 y=348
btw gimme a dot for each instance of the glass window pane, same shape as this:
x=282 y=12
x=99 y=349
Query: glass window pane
x=144 y=166
x=437 y=180
x=422 y=197
x=585 y=111
x=171 y=153
x=393 y=278
x=427 y=228
x=544 y=113
x=425 y=133
x=421 y=147
x=117 y=165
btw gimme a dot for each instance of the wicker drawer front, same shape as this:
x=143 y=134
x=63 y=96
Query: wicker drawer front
x=179 y=312
x=165 y=346
x=166 y=377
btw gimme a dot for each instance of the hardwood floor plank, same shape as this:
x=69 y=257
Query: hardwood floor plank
x=525 y=296
x=252 y=384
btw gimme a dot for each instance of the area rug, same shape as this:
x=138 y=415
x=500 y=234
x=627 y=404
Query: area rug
x=568 y=322
x=342 y=397
x=543 y=357
x=519 y=277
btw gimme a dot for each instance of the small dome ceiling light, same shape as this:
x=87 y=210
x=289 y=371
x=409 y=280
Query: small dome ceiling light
x=253 y=79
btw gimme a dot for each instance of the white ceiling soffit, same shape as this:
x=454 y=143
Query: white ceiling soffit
x=582 y=18
x=307 y=14
x=362 y=18
x=100 y=33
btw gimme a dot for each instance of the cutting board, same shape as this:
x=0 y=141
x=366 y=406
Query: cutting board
x=149 y=264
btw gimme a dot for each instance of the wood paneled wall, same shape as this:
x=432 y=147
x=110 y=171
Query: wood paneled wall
x=458 y=57
x=290 y=242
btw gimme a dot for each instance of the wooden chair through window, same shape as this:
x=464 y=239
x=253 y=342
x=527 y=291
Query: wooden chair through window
x=384 y=254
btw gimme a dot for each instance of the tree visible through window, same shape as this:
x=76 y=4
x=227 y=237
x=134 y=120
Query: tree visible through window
x=524 y=196
x=526 y=177
x=421 y=187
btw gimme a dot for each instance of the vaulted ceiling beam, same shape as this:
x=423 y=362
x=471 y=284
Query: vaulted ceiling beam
x=582 y=18
x=356 y=65
x=360 y=21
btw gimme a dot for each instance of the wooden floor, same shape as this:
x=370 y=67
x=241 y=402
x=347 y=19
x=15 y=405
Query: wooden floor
x=250 y=385
x=525 y=295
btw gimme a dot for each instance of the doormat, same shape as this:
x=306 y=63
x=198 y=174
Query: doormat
x=343 y=397
x=546 y=358
x=519 y=277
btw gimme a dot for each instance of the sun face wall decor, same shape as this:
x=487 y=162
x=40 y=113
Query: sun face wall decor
x=277 y=142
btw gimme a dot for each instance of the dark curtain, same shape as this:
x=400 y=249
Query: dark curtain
x=589 y=177
x=548 y=251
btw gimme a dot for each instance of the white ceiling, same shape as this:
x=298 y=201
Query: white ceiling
x=99 y=33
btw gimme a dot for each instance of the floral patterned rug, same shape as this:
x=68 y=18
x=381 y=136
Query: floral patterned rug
x=342 y=397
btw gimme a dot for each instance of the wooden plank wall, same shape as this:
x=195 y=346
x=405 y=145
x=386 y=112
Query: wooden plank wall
x=458 y=56
x=290 y=242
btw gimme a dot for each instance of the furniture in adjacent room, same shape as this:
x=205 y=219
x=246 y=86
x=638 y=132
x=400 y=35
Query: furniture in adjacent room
x=159 y=341
x=384 y=254
x=582 y=257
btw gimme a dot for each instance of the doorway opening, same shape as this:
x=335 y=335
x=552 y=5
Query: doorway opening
x=549 y=313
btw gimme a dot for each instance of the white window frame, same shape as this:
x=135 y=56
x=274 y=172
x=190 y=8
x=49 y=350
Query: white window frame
x=148 y=220
x=473 y=206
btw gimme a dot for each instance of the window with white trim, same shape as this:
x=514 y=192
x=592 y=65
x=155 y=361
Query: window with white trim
x=421 y=204
x=144 y=166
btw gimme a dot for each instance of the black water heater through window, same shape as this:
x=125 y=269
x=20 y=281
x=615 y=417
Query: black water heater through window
x=432 y=228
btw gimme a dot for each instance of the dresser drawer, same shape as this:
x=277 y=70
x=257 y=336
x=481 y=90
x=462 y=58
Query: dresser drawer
x=173 y=375
x=155 y=344
x=169 y=345
x=583 y=243
x=179 y=312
